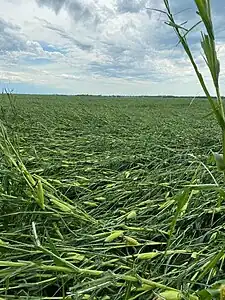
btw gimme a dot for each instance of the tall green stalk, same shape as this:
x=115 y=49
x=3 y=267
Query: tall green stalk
x=211 y=59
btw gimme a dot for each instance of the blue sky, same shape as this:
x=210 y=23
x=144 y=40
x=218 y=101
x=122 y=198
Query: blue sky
x=100 y=47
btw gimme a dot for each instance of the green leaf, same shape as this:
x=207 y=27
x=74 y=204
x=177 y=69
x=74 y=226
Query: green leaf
x=204 y=295
x=147 y=256
x=2 y=243
x=114 y=235
x=210 y=265
x=131 y=241
x=219 y=161
x=170 y=295
x=40 y=194
x=132 y=215
x=182 y=203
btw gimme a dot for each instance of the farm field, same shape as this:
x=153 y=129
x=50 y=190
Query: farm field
x=89 y=190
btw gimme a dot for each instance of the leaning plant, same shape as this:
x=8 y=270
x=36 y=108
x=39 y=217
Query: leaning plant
x=211 y=58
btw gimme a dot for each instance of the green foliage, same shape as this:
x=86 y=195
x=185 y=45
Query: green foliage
x=102 y=199
x=129 y=157
x=217 y=106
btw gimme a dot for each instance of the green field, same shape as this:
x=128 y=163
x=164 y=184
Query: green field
x=111 y=171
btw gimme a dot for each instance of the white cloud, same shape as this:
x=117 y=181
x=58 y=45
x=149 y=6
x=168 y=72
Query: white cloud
x=113 y=47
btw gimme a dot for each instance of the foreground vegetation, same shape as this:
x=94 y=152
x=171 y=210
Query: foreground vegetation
x=89 y=190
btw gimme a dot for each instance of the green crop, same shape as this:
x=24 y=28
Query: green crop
x=114 y=198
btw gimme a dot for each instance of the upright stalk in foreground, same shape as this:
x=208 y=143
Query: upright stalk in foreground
x=211 y=59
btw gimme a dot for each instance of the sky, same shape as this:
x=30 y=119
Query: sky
x=108 y=47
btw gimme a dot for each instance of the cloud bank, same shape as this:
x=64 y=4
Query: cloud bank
x=99 y=47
